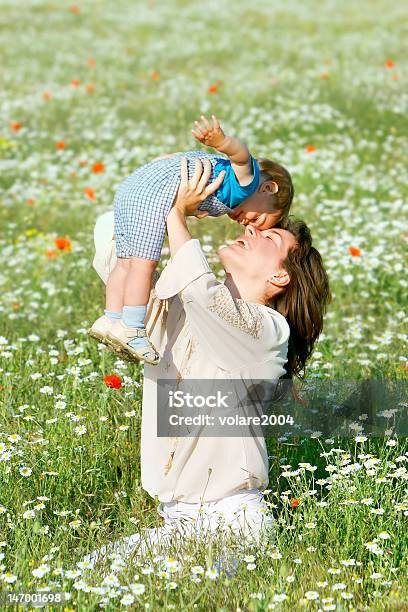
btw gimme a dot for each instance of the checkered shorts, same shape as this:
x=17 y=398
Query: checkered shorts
x=143 y=200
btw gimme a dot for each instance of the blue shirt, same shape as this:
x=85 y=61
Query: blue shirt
x=230 y=192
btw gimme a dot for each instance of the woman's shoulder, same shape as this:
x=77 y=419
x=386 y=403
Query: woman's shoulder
x=236 y=312
x=276 y=321
x=251 y=318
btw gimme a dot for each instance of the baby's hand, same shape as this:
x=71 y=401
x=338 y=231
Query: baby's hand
x=210 y=134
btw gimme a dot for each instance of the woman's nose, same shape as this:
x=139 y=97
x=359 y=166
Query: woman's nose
x=250 y=230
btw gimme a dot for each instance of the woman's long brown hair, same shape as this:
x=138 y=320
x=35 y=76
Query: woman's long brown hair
x=305 y=299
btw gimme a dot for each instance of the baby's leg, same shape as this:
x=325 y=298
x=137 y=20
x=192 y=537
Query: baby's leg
x=129 y=334
x=115 y=287
x=138 y=281
x=115 y=291
x=136 y=296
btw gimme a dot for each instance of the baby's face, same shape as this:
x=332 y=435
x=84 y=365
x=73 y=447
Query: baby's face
x=262 y=218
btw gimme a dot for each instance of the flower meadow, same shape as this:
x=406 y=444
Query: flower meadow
x=89 y=92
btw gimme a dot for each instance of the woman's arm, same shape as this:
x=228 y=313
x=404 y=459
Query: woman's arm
x=177 y=230
x=189 y=196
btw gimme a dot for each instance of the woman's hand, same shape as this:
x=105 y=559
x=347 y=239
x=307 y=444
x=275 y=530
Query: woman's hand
x=194 y=191
x=189 y=196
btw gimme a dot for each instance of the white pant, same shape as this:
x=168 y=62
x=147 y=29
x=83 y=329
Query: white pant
x=242 y=515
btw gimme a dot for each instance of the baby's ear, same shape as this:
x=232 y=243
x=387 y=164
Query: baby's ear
x=269 y=186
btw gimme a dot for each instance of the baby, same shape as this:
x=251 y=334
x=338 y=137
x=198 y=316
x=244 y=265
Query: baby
x=257 y=192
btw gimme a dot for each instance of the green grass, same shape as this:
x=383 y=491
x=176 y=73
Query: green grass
x=268 y=60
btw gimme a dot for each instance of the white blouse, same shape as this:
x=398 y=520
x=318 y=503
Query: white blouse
x=201 y=332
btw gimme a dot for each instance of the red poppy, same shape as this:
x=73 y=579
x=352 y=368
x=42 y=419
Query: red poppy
x=90 y=193
x=30 y=201
x=214 y=87
x=389 y=63
x=75 y=82
x=310 y=148
x=45 y=95
x=60 y=144
x=112 y=381
x=354 y=251
x=155 y=76
x=16 y=125
x=63 y=244
x=98 y=167
x=51 y=254
x=294 y=502
x=74 y=9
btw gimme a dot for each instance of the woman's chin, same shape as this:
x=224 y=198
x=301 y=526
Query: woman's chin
x=222 y=253
x=226 y=255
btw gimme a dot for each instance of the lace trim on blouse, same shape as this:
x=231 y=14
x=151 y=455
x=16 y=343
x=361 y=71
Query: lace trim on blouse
x=237 y=312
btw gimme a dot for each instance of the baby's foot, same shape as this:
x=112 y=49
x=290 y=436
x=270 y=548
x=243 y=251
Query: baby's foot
x=100 y=329
x=132 y=342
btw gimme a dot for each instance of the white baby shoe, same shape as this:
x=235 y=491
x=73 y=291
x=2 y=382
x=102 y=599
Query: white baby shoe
x=119 y=336
x=100 y=329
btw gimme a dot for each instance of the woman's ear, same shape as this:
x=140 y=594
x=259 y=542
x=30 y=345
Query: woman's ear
x=278 y=281
x=269 y=186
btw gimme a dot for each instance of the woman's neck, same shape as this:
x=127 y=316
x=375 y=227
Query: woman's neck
x=242 y=292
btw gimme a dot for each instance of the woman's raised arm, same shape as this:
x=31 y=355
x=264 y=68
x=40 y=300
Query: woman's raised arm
x=189 y=196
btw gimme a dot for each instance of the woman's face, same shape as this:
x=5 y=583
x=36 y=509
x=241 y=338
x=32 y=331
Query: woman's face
x=258 y=254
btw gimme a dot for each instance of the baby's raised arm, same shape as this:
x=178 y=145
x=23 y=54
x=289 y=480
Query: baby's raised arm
x=211 y=134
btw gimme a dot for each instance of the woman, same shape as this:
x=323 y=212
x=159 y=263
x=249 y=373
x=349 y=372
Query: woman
x=261 y=323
